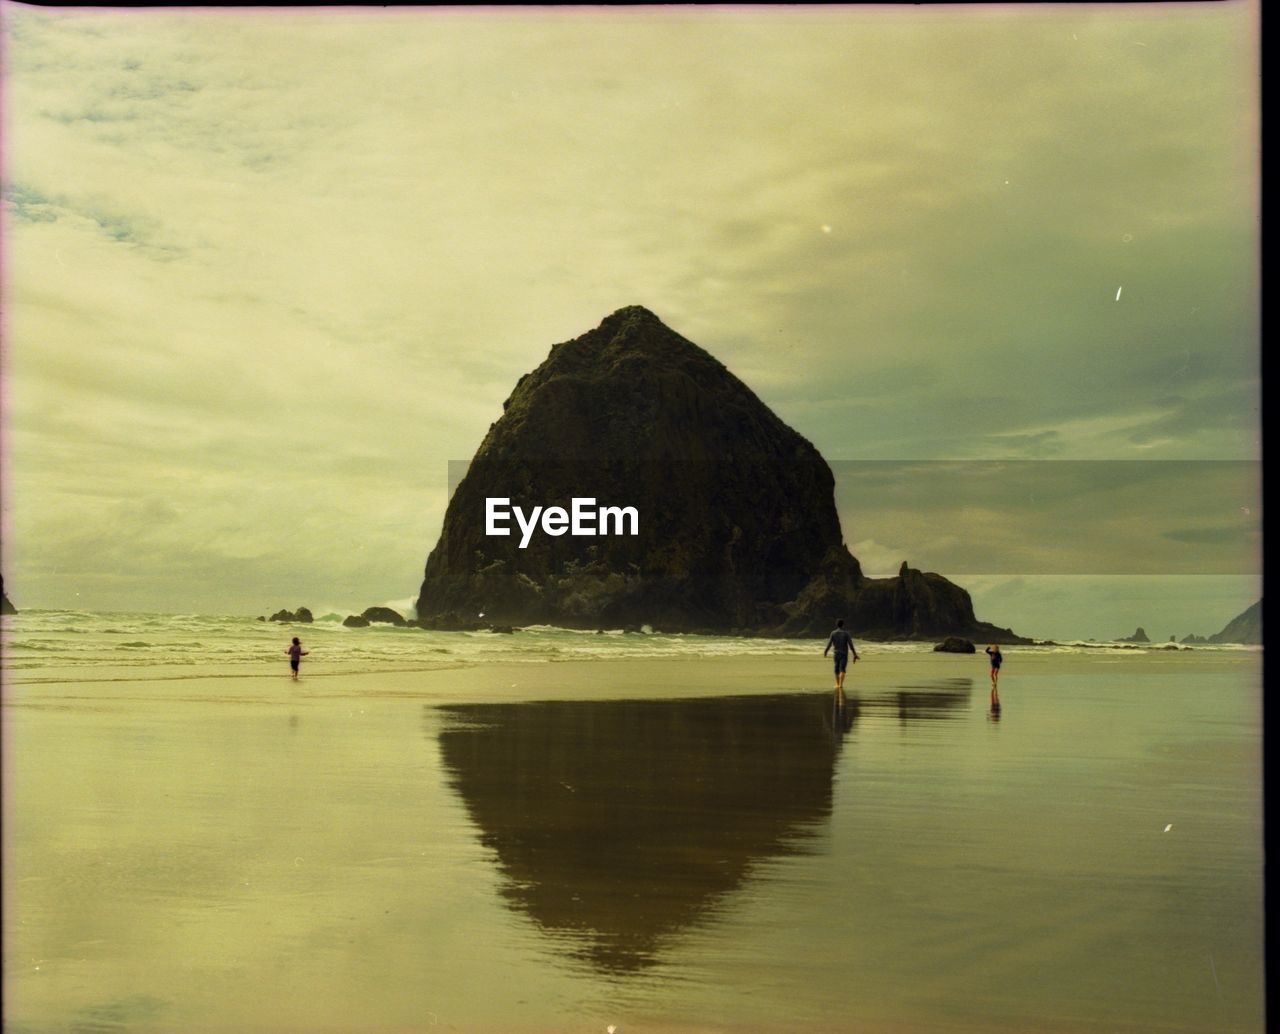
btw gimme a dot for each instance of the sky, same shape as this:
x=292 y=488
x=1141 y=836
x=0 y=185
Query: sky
x=267 y=271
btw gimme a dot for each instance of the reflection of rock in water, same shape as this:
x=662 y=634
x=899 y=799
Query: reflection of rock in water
x=619 y=823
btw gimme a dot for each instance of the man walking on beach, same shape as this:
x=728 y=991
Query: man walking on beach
x=843 y=643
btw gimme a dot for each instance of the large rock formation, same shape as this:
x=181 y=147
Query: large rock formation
x=5 y=606
x=737 y=525
x=1244 y=628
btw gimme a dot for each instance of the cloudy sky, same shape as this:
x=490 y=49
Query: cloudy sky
x=267 y=272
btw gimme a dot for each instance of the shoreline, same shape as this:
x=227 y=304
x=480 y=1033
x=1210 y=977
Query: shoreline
x=578 y=678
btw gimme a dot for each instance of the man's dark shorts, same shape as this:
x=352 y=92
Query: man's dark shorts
x=842 y=662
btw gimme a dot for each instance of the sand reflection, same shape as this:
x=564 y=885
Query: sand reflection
x=619 y=824
x=924 y=701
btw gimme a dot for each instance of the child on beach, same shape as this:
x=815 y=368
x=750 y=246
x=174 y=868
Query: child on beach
x=993 y=652
x=296 y=653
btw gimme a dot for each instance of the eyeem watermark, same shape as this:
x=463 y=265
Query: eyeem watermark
x=582 y=518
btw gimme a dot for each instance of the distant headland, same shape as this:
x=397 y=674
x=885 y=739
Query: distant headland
x=1245 y=628
x=736 y=531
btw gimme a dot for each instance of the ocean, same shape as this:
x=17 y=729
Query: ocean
x=37 y=642
x=557 y=831
x=40 y=639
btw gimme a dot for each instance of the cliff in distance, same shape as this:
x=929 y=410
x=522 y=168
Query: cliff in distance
x=1244 y=628
x=737 y=526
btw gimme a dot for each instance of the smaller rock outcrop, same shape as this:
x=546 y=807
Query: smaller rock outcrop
x=1139 y=636
x=301 y=616
x=1193 y=638
x=955 y=644
x=5 y=606
x=914 y=605
x=385 y=616
x=356 y=621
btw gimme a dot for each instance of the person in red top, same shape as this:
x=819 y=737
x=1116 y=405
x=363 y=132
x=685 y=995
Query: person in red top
x=296 y=653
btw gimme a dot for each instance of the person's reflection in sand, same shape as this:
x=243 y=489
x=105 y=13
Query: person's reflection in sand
x=843 y=715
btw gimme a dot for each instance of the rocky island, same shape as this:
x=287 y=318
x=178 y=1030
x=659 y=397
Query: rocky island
x=375 y=616
x=300 y=616
x=736 y=530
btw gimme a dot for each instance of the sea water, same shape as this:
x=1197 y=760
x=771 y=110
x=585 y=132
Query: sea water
x=193 y=844
x=39 y=640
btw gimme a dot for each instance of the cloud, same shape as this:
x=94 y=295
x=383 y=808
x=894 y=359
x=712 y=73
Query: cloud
x=297 y=259
x=1057 y=516
x=876 y=559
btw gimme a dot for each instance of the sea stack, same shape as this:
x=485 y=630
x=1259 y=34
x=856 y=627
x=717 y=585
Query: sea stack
x=735 y=528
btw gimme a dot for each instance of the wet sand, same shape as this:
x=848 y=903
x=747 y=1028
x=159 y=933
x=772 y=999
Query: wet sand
x=521 y=679
x=661 y=845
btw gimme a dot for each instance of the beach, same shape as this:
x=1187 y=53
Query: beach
x=651 y=843
x=437 y=444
